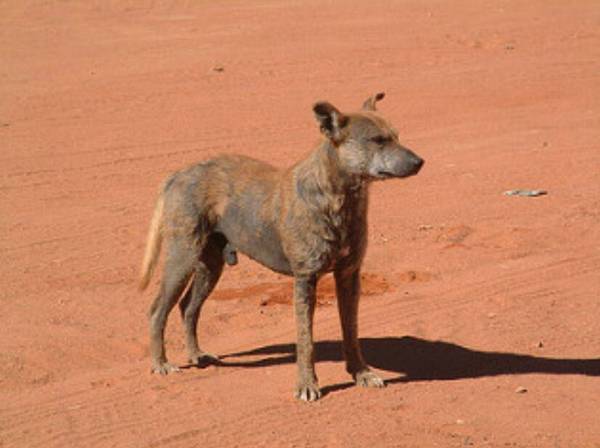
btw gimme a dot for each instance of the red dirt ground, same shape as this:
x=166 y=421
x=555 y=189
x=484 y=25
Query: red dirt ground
x=469 y=294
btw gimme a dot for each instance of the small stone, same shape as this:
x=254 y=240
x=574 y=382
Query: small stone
x=526 y=193
x=540 y=344
x=218 y=68
x=521 y=390
x=460 y=421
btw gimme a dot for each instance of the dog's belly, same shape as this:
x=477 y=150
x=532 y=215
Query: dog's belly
x=254 y=237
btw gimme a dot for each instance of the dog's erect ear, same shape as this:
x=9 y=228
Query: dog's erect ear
x=369 y=104
x=331 y=120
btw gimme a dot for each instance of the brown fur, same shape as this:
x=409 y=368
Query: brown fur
x=303 y=221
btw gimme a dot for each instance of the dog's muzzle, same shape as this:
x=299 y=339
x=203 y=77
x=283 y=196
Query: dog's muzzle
x=409 y=165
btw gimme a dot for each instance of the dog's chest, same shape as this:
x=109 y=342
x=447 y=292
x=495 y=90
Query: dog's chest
x=343 y=233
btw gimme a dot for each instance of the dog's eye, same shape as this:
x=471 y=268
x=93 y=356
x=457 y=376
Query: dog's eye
x=380 y=140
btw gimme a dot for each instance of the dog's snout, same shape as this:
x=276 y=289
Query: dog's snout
x=407 y=163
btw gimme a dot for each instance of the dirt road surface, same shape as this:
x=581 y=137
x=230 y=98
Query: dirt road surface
x=481 y=310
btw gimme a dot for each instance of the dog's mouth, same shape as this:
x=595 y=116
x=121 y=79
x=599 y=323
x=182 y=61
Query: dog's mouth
x=385 y=174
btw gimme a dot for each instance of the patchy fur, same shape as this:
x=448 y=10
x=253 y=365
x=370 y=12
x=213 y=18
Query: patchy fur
x=303 y=221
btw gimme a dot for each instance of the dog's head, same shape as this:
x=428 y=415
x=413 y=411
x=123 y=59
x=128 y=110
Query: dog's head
x=367 y=145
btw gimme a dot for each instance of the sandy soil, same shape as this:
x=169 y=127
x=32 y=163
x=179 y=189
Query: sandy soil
x=468 y=294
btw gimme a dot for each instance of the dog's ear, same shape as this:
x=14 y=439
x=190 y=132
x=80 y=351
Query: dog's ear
x=331 y=120
x=369 y=104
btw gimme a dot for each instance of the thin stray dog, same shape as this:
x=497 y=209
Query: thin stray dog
x=303 y=221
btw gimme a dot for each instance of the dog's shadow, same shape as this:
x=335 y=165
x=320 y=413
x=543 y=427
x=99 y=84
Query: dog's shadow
x=415 y=359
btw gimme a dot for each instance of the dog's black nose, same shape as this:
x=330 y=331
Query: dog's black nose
x=418 y=163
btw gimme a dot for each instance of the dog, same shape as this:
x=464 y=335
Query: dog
x=304 y=221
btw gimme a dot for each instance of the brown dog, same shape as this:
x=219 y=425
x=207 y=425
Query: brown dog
x=304 y=221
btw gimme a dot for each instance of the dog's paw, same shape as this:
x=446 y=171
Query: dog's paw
x=308 y=392
x=366 y=378
x=164 y=368
x=203 y=359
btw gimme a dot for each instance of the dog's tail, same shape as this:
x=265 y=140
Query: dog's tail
x=153 y=243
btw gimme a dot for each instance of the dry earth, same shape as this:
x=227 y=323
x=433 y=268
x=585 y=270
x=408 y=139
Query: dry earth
x=469 y=294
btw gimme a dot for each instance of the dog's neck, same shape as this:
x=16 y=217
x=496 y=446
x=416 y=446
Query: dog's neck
x=333 y=177
x=322 y=181
x=334 y=197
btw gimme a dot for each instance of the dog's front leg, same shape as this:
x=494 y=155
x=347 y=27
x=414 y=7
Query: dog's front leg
x=304 y=303
x=347 y=285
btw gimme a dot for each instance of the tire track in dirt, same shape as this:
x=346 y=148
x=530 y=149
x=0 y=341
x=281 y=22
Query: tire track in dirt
x=518 y=291
x=112 y=418
x=108 y=417
x=113 y=415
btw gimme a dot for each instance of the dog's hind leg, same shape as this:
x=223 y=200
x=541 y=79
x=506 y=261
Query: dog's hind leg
x=207 y=274
x=179 y=265
x=348 y=293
